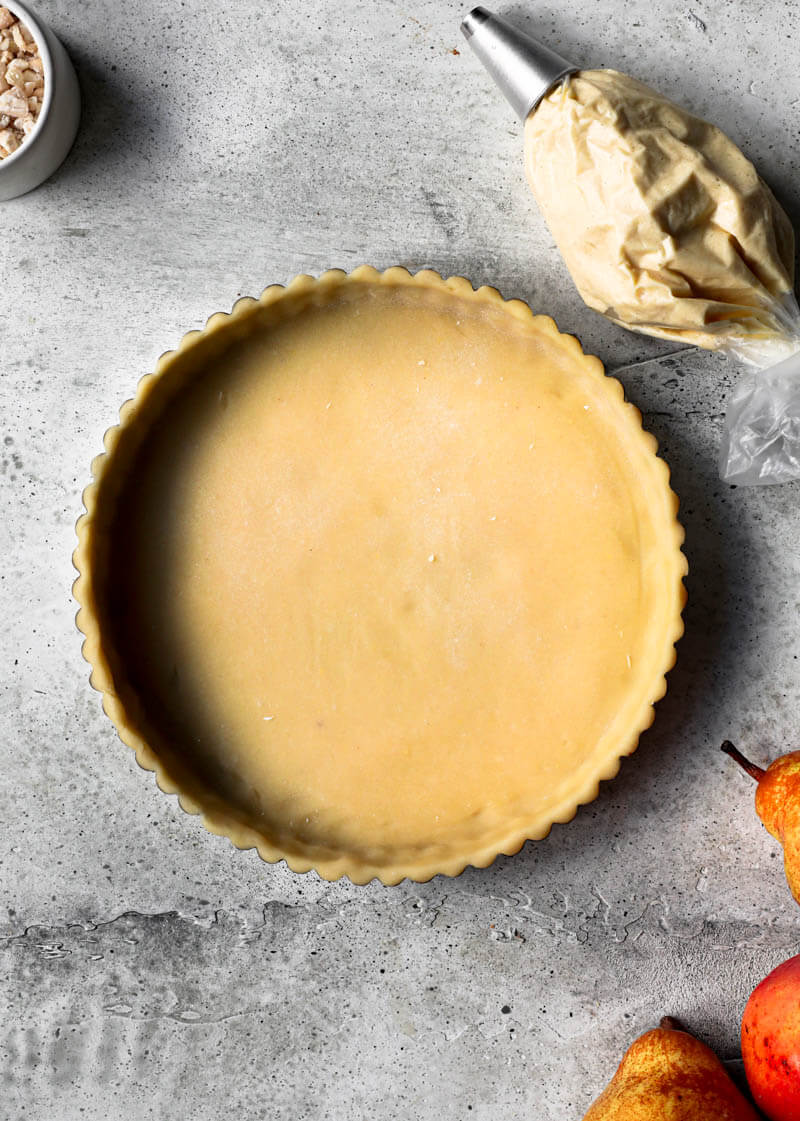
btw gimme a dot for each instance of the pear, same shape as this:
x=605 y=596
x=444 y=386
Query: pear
x=668 y=1075
x=778 y=805
x=771 y=1042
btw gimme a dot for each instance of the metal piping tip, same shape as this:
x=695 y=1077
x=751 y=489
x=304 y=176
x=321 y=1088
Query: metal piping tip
x=524 y=69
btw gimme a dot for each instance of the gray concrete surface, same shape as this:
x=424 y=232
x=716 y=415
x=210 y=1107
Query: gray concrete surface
x=148 y=969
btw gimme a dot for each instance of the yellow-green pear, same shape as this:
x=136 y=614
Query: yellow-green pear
x=669 y=1075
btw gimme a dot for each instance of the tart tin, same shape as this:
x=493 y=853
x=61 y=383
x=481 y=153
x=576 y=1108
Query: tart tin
x=125 y=710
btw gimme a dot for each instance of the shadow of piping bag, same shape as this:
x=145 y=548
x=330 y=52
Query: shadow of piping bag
x=666 y=228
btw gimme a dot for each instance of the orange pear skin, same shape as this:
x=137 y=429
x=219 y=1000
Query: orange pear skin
x=669 y=1075
x=778 y=806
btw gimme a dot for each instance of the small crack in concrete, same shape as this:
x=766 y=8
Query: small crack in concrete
x=617 y=370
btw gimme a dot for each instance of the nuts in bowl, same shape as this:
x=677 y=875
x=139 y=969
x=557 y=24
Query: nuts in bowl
x=21 y=82
x=40 y=101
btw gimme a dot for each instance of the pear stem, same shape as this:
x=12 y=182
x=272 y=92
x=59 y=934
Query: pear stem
x=669 y=1023
x=752 y=769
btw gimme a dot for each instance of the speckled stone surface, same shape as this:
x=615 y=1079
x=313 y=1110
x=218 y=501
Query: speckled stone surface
x=148 y=969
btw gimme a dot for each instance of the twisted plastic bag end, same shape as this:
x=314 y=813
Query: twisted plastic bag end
x=761 y=436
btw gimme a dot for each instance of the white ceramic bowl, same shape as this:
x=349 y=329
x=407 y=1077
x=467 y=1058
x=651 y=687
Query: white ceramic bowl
x=46 y=148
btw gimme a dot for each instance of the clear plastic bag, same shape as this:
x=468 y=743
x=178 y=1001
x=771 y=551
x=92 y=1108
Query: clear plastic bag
x=761 y=437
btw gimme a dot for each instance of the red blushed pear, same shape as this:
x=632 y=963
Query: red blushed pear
x=771 y=1042
x=778 y=806
x=668 y=1075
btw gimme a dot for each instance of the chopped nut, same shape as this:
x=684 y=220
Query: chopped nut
x=17 y=72
x=9 y=142
x=21 y=82
x=12 y=104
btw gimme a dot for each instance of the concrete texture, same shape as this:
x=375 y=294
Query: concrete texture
x=148 y=969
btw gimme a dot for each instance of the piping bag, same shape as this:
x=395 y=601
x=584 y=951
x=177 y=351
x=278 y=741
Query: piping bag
x=666 y=228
